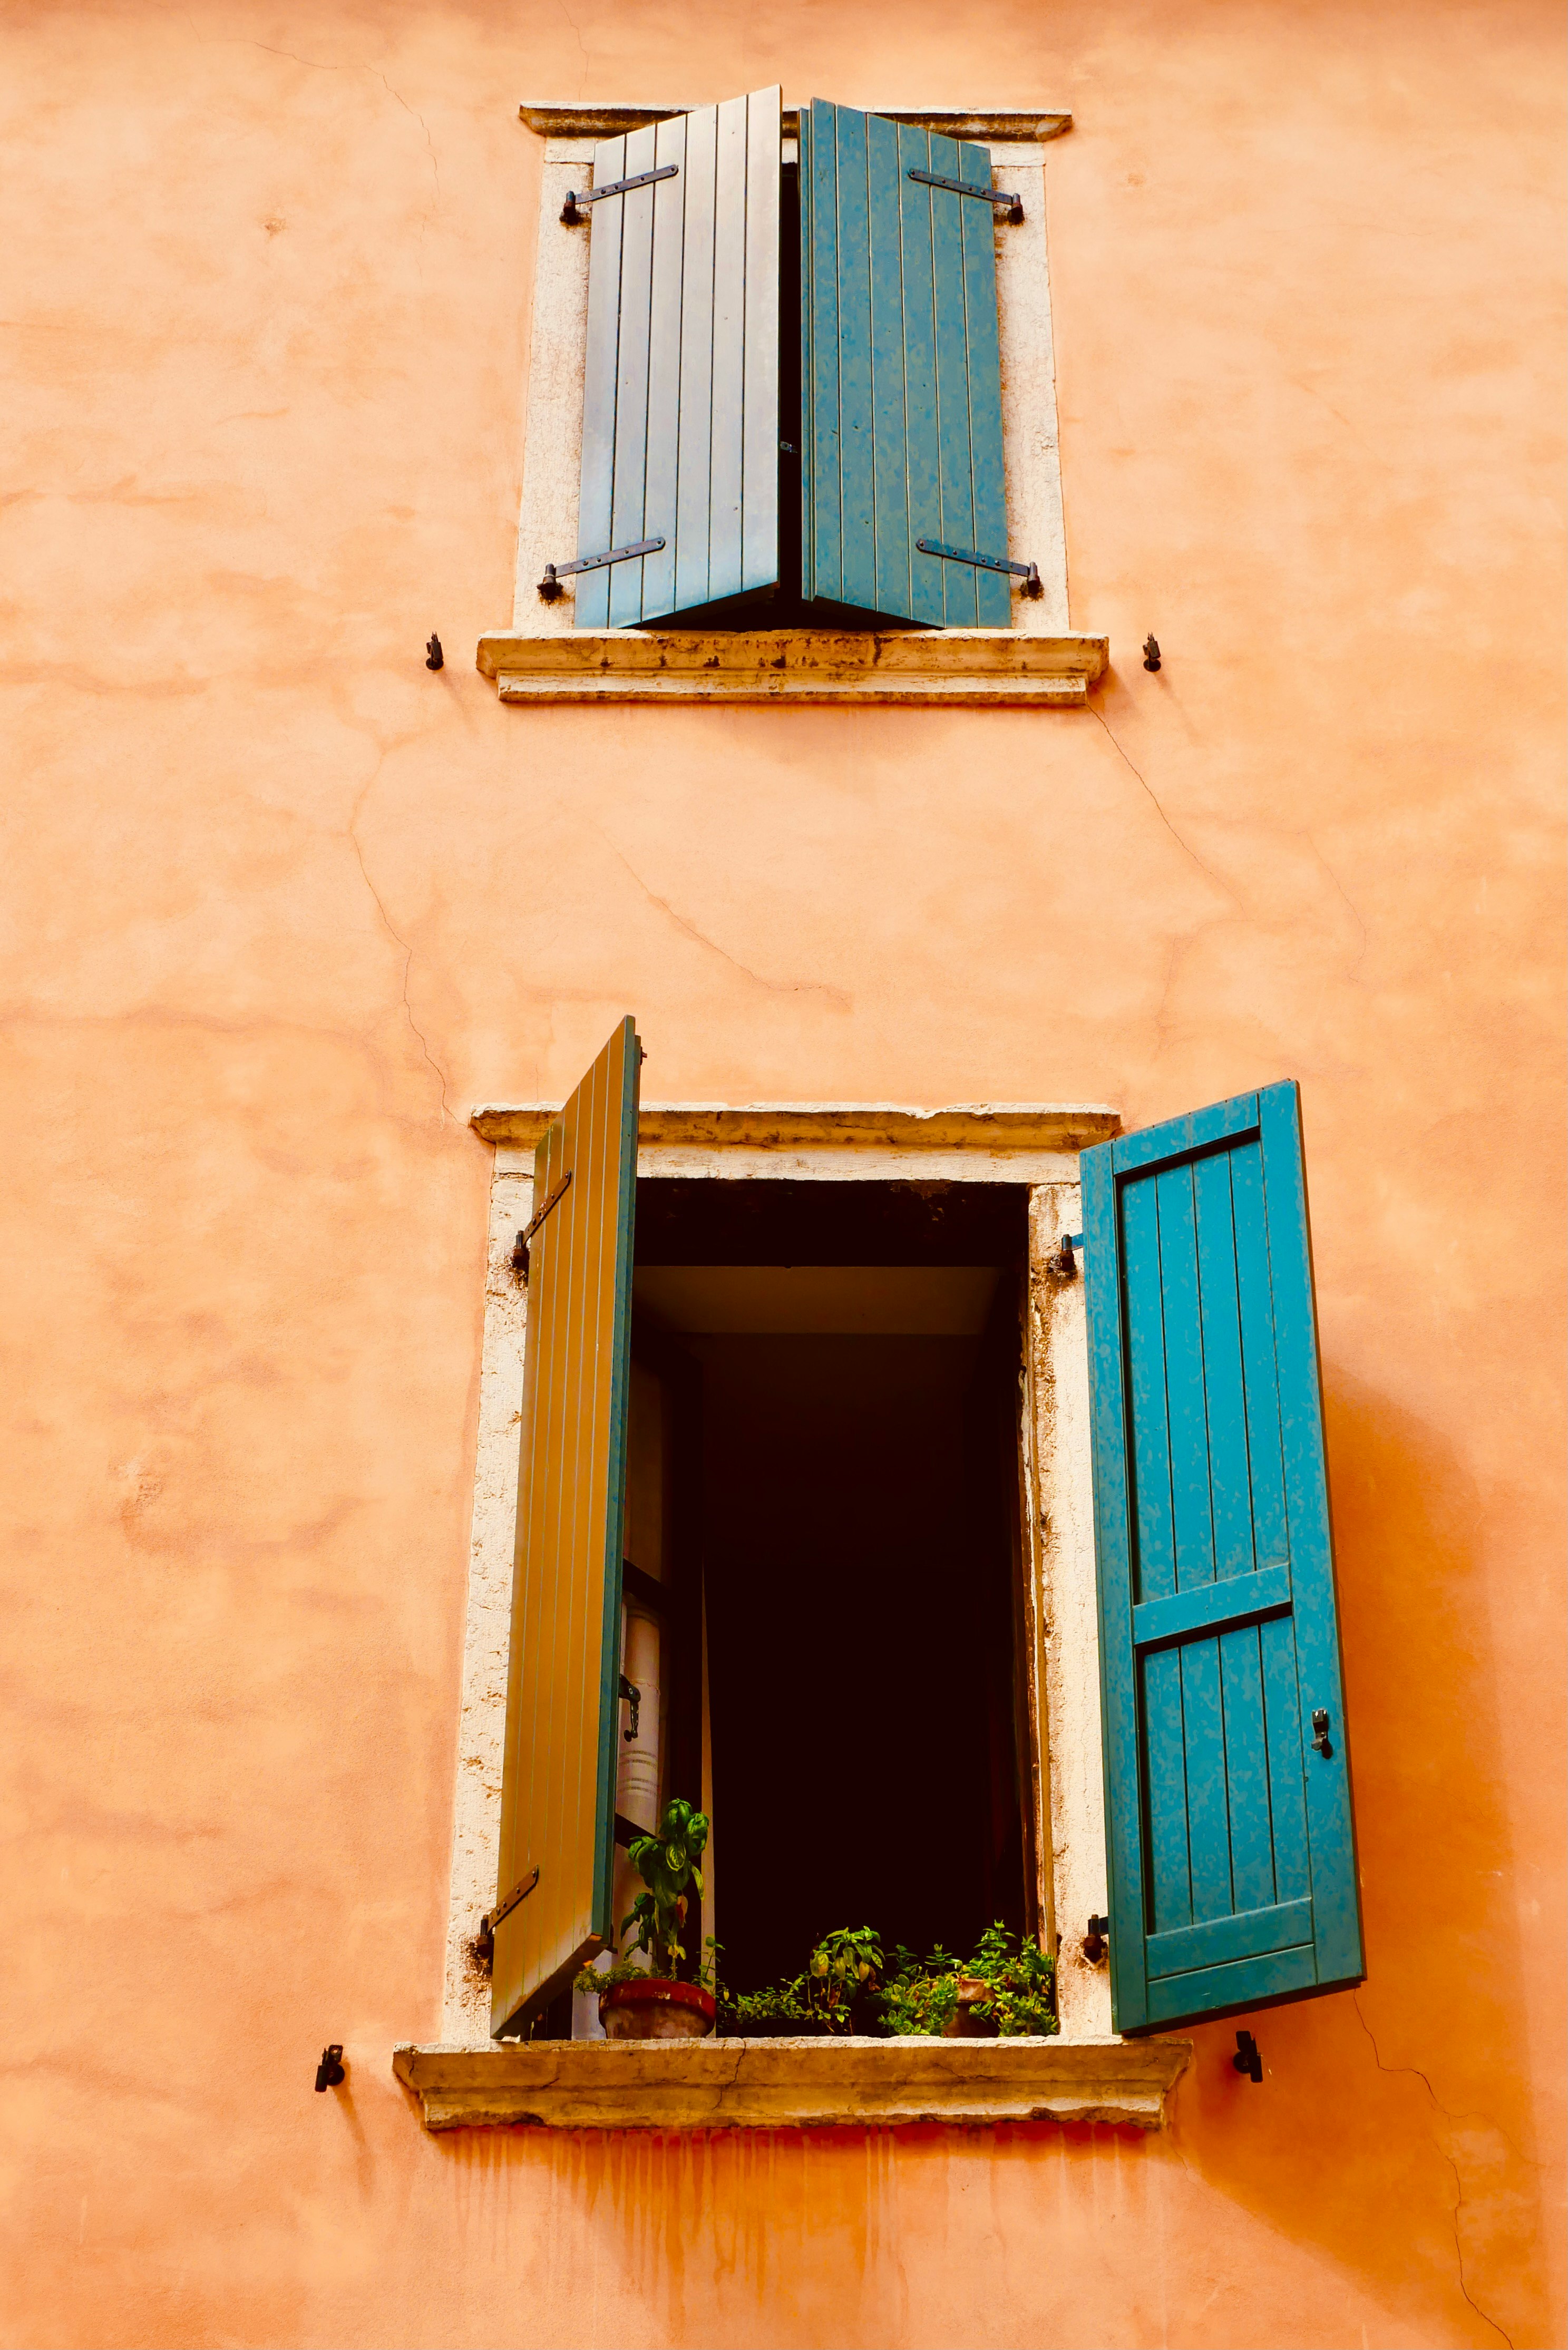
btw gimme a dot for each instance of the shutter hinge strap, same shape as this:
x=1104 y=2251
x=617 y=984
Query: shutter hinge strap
x=968 y=188
x=1028 y=572
x=550 y=585
x=520 y=1892
x=572 y=216
x=520 y=1247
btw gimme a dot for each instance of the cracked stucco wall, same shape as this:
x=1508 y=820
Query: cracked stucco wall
x=283 y=904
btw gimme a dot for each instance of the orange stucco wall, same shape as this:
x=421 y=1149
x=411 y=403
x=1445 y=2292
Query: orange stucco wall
x=285 y=904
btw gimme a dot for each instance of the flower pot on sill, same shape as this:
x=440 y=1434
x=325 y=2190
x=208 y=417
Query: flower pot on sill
x=656 y=2009
x=964 y=2023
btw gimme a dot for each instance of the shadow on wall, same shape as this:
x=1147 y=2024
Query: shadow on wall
x=1385 y=2168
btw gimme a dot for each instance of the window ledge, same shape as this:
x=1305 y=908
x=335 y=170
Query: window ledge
x=959 y=666
x=792 y=2084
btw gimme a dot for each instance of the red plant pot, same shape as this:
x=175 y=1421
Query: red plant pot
x=656 y=2009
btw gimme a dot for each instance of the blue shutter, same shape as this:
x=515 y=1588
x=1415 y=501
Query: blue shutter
x=900 y=374
x=1230 y=1845
x=681 y=395
x=554 y=1905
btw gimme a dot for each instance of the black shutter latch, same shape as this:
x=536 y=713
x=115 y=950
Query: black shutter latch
x=572 y=216
x=519 y=1258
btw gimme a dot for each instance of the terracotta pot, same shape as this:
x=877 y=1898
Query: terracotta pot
x=656 y=2009
x=965 y=2024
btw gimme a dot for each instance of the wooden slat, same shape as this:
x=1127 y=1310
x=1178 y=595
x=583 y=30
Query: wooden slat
x=694 y=423
x=724 y=568
x=993 y=598
x=660 y=516
x=1209 y=1454
x=558 y=1772
x=760 y=409
x=599 y=370
x=891 y=589
x=822 y=567
x=631 y=381
x=922 y=462
x=955 y=454
x=856 y=410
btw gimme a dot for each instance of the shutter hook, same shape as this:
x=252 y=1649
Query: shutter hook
x=1152 y=652
x=435 y=657
x=330 y=2073
x=1321 y=1743
x=1095 y=1939
x=1247 y=2058
x=633 y=1697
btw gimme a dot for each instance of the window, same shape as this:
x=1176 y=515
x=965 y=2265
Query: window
x=770 y=364
x=812 y=1403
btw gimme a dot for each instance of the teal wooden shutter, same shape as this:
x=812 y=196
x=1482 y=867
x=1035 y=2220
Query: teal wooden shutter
x=681 y=395
x=1230 y=1845
x=900 y=374
x=558 y=1773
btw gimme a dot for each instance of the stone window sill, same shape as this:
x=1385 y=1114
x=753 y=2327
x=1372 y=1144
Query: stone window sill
x=792 y=2084
x=972 y=667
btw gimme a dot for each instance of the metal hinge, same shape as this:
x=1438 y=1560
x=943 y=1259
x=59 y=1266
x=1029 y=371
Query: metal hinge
x=550 y=585
x=570 y=214
x=1028 y=572
x=970 y=188
x=484 y=1941
x=520 y=1246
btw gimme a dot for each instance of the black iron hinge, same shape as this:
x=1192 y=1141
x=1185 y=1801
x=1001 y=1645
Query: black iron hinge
x=550 y=585
x=520 y=1246
x=1028 y=572
x=570 y=211
x=1014 y=204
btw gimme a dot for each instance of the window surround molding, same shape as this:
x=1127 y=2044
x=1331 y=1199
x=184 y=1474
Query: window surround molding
x=1086 y=2074
x=1038 y=661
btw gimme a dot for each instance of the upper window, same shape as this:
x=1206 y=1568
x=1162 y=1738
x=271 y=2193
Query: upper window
x=793 y=404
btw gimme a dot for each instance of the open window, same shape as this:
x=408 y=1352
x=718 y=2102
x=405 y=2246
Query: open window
x=773 y=1555
x=792 y=410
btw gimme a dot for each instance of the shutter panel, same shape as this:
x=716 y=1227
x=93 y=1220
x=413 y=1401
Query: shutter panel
x=558 y=1775
x=900 y=374
x=681 y=395
x=1230 y=1846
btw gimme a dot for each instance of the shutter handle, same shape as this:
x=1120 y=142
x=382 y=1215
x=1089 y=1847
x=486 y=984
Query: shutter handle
x=1322 y=1743
x=633 y=1697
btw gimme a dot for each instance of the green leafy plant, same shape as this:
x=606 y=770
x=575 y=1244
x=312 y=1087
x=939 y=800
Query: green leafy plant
x=667 y=1864
x=922 y=1996
x=844 y=1966
x=600 y=1979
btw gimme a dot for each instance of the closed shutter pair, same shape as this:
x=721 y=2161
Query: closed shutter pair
x=899 y=433
x=1230 y=1845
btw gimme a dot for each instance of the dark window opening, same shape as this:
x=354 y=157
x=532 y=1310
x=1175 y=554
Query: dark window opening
x=841 y=1368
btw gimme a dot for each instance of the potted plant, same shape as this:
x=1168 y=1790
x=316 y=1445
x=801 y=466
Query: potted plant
x=656 y=2004
x=833 y=1995
x=1007 y=1988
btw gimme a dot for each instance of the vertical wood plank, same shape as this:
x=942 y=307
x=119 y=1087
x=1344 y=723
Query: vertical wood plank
x=1287 y=1792
x=1153 y=1559
x=660 y=511
x=1260 y=1371
x=857 y=415
x=921 y=455
x=1165 y=1777
x=1230 y=1479
x=696 y=405
x=1247 y=1771
x=1207 y=1809
x=822 y=518
x=951 y=325
x=631 y=379
x=725 y=472
x=760 y=452
x=890 y=487
x=601 y=347
x=1189 y=1503
x=993 y=594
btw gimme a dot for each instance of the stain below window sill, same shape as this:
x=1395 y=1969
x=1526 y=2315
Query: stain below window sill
x=791 y=2084
x=962 y=667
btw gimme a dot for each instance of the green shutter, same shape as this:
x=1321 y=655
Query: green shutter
x=557 y=1789
x=1229 y=1839
x=681 y=397
x=900 y=374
